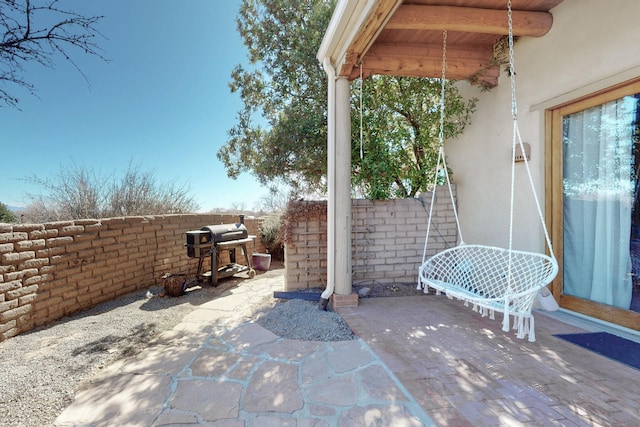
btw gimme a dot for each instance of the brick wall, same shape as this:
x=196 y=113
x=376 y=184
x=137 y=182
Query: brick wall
x=48 y=271
x=387 y=239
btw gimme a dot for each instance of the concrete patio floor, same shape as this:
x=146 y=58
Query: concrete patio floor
x=465 y=371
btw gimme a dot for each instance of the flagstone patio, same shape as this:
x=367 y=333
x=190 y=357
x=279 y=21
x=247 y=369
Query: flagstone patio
x=420 y=360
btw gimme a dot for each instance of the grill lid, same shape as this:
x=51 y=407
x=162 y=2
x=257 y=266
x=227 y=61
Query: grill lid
x=226 y=232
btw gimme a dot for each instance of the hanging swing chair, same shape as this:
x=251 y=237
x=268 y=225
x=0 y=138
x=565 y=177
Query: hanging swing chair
x=490 y=278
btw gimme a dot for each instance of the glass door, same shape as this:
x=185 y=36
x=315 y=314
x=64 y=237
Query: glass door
x=595 y=152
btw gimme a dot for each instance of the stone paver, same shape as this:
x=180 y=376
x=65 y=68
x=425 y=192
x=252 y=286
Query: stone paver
x=274 y=388
x=346 y=357
x=125 y=399
x=335 y=391
x=213 y=362
x=378 y=415
x=379 y=386
x=212 y=400
x=418 y=362
x=218 y=369
x=249 y=337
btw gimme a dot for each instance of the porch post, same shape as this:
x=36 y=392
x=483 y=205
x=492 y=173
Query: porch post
x=342 y=188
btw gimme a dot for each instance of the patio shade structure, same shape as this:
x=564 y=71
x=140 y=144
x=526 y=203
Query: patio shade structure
x=404 y=38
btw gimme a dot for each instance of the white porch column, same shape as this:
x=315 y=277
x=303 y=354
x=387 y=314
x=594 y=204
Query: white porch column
x=338 y=186
x=341 y=205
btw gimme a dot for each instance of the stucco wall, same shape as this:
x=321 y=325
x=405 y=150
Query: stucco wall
x=592 y=45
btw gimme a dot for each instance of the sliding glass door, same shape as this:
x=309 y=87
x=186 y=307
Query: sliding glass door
x=594 y=150
x=598 y=189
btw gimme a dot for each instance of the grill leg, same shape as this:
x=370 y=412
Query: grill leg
x=214 y=265
x=246 y=256
x=199 y=272
x=252 y=272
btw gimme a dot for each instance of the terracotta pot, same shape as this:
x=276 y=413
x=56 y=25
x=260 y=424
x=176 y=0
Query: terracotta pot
x=261 y=261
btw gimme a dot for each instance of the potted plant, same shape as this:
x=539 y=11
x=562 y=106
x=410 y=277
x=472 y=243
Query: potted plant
x=271 y=237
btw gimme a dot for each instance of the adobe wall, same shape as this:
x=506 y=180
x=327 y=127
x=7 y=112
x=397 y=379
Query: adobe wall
x=52 y=270
x=48 y=271
x=387 y=239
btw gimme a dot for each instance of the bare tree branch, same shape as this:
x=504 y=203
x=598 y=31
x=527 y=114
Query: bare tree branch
x=36 y=33
x=80 y=192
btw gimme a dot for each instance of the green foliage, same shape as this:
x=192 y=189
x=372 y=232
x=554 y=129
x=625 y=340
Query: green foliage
x=280 y=134
x=281 y=131
x=401 y=127
x=270 y=233
x=6 y=215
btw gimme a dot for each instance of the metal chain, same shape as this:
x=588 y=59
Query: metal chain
x=512 y=72
x=442 y=85
x=361 y=113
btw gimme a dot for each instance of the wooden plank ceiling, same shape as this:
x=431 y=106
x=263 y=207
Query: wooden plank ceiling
x=404 y=37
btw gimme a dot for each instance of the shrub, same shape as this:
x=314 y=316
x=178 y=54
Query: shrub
x=271 y=235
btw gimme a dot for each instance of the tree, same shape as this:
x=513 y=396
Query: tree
x=280 y=135
x=35 y=31
x=286 y=93
x=6 y=215
x=139 y=193
x=79 y=193
x=276 y=201
x=401 y=128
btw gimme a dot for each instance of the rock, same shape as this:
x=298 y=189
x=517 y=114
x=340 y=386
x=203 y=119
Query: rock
x=364 y=292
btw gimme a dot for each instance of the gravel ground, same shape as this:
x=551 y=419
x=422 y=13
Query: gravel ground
x=42 y=369
x=375 y=289
x=312 y=324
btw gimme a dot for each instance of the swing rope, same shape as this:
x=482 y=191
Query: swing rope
x=492 y=278
x=441 y=169
x=517 y=142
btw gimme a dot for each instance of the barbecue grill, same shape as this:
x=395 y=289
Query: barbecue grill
x=212 y=241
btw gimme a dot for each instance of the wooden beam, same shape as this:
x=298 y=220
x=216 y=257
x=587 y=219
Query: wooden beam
x=367 y=35
x=479 y=52
x=462 y=64
x=374 y=25
x=487 y=78
x=467 y=19
x=411 y=67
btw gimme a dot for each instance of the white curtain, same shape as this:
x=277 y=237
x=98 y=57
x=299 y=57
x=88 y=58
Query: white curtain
x=598 y=199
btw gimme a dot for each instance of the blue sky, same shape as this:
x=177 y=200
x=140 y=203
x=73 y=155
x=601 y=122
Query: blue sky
x=162 y=102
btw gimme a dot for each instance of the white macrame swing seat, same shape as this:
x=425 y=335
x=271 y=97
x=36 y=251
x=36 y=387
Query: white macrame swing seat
x=491 y=278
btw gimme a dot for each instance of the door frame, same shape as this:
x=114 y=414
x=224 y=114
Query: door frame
x=554 y=200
